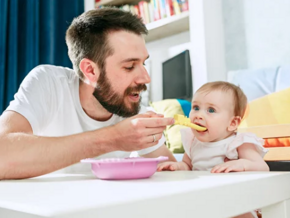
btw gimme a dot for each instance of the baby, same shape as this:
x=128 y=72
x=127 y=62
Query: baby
x=220 y=107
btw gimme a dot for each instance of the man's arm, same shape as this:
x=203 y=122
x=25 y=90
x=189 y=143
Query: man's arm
x=24 y=155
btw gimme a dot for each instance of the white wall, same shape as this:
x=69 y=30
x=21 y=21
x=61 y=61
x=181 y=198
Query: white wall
x=207 y=38
x=257 y=33
x=160 y=51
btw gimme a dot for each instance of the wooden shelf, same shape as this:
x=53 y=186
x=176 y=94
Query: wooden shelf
x=268 y=131
x=168 y=26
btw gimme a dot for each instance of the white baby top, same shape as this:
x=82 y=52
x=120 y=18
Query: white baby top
x=205 y=155
x=49 y=99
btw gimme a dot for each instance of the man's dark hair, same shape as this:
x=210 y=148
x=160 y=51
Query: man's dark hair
x=86 y=37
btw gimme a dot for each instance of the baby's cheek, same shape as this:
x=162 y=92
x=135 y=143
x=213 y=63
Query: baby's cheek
x=215 y=123
x=191 y=116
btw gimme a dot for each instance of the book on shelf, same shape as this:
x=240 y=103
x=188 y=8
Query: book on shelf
x=153 y=10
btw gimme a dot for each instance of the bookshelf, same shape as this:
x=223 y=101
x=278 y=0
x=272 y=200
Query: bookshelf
x=114 y=2
x=156 y=30
x=168 y=26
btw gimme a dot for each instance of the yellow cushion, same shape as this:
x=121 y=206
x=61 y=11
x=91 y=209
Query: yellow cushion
x=269 y=118
x=169 y=108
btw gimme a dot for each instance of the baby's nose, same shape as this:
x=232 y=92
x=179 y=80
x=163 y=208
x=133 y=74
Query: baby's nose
x=199 y=116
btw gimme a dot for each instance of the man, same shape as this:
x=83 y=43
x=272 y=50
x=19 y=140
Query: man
x=60 y=116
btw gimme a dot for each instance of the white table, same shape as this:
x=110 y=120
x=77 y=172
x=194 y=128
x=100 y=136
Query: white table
x=165 y=194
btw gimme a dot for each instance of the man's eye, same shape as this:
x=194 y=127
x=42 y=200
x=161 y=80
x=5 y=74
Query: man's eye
x=211 y=110
x=129 y=68
x=196 y=108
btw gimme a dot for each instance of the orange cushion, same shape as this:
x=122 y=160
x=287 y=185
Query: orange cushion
x=277 y=142
x=269 y=118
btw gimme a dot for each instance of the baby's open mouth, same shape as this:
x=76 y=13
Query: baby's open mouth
x=196 y=123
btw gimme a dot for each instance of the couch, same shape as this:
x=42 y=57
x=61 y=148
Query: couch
x=268 y=91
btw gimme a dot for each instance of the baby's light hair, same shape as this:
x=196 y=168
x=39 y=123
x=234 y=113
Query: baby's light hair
x=240 y=99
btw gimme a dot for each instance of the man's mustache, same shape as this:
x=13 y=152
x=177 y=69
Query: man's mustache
x=138 y=88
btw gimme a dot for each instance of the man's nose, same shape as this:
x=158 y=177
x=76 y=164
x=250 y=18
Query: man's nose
x=143 y=76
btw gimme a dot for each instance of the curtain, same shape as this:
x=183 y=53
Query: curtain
x=32 y=32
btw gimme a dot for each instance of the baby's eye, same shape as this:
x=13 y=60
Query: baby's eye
x=211 y=110
x=195 y=108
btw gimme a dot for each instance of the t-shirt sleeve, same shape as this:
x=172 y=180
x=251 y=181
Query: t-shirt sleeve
x=187 y=138
x=243 y=138
x=35 y=99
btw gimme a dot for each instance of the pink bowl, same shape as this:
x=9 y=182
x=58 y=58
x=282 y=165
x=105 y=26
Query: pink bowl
x=127 y=168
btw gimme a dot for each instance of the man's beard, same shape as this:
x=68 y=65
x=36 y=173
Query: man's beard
x=112 y=101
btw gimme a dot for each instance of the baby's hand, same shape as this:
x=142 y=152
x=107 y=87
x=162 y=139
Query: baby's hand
x=230 y=166
x=168 y=166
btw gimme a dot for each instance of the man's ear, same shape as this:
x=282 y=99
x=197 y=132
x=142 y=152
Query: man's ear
x=234 y=123
x=90 y=70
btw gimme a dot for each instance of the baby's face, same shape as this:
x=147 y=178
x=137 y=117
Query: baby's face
x=215 y=111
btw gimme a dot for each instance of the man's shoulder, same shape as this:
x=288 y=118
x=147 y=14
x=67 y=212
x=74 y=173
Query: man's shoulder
x=51 y=71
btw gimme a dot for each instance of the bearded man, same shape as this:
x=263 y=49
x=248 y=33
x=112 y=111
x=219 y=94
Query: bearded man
x=60 y=116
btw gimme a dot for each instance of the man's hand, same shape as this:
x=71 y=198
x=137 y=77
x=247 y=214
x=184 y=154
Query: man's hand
x=140 y=131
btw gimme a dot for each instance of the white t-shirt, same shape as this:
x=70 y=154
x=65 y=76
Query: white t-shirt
x=205 y=155
x=49 y=99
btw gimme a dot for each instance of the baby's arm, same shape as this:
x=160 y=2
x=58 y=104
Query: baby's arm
x=253 y=160
x=185 y=164
x=249 y=160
